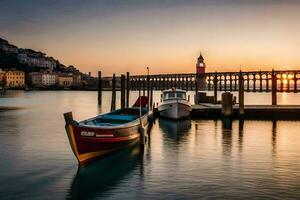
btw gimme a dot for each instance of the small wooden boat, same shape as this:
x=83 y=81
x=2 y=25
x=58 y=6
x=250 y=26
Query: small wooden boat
x=103 y=134
x=174 y=104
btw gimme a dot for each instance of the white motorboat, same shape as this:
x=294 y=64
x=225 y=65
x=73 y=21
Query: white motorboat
x=174 y=104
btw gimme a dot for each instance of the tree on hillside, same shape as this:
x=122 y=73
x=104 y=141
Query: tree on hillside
x=8 y=61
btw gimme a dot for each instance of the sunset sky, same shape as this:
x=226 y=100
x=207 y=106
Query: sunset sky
x=116 y=36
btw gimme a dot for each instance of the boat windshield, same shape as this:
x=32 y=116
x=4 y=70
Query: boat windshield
x=174 y=95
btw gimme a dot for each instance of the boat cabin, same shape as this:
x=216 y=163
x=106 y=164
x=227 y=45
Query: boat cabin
x=174 y=94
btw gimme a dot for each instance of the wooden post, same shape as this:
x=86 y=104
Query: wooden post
x=123 y=91
x=248 y=83
x=281 y=83
x=274 y=88
x=144 y=87
x=99 y=88
x=196 y=92
x=267 y=83
x=295 y=82
x=141 y=129
x=113 y=94
x=142 y=137
x=241 y=94
x=215 y=88
x=127 y=89
x=225 y=82
x=151 y=94
x=227 y=108
x=140 y=85
x=148 y=89
x=260 y=83
x=254 y=83
x=230 y=84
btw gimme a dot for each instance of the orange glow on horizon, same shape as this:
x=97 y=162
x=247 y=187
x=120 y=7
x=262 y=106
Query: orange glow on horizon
x=231 y=37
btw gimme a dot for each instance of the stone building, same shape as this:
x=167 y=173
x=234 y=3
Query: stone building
x=35 y=78
x=77 y=79
x=42 y=79
x=15 y=79
x=49 y=79
x=37 y=60
x=65 y=80
x=2 y=78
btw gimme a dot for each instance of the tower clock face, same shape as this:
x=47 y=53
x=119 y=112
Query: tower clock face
x=201 y=65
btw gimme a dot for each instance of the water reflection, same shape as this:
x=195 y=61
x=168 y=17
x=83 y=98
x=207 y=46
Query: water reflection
x=251 y=160
x=227 y=138
x=274 y=131
x=241 y=134
x=101 y=176
x=175 y=129
x=227 y=123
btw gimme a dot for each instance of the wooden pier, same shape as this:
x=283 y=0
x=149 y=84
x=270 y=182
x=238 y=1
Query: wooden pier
x=214 y=111
x=252 y=81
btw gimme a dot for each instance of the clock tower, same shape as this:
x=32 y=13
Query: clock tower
x=200 y=66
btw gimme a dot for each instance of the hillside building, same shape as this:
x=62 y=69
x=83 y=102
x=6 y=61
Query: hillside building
x=15 y=79
x=2 y=78
x=65 y=80
x=38 y=79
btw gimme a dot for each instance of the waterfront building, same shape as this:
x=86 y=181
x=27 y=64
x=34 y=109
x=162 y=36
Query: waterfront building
x=15 y=79
x=48 y=79
x=42 y=79
x=35 y=78
x=65 y=80
x=2 y=78
x=77 y=79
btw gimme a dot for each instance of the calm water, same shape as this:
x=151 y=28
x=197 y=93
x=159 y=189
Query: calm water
x=195 y=159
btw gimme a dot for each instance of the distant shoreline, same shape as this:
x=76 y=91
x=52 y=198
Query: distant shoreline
x=8 y=108
x=61 y=89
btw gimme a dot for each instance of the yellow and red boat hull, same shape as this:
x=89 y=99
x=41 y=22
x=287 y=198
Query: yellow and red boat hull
x=89 y=143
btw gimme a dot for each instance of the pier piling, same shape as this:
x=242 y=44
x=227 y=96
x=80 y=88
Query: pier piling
x=122 y=91
x=196 y=92
x=274 y=88
x=241 y=94
x=113 y=94
x=144 y=87
x=99 y=88
x=151 y=94
x=215 y=88
x=148 y=87
x=127 y=89
x=227 y=107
